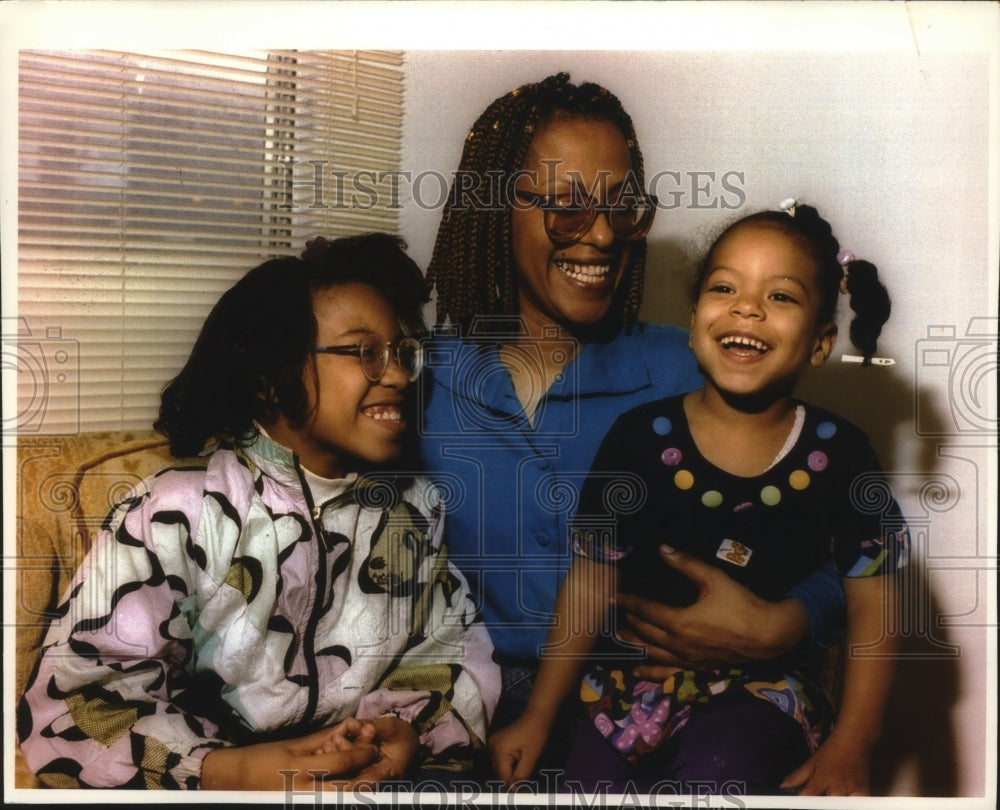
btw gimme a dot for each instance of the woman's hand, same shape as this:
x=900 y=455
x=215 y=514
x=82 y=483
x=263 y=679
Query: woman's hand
x=328 y=757
x=515 y=750
x=728 y=624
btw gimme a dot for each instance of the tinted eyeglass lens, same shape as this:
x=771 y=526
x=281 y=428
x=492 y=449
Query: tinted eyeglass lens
x=629 y=219
x=568 y=223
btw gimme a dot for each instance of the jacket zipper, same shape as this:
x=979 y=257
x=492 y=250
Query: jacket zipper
x=309 y=641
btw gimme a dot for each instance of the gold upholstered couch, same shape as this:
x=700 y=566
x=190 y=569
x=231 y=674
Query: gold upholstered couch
x=65 y=487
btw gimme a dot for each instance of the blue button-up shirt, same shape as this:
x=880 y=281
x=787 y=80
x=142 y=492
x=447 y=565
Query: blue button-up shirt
x=510 y=483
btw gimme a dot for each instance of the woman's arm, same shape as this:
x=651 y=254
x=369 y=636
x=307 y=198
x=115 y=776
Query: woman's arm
x=580 y=617
x=728 y=624
x=840 y=766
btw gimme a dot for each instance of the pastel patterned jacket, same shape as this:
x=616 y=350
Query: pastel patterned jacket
x=220 y=606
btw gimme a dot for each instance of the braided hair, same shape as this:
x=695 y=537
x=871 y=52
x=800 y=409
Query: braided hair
x=869 y=298
x=472 y=266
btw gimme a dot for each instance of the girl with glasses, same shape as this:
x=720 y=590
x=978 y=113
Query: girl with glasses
x=276 y=611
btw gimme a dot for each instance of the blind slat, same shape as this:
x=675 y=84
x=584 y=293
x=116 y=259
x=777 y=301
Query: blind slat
x=150 y=182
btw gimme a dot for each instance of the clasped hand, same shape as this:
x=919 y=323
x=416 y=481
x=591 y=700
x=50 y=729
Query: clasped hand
x=346 y=756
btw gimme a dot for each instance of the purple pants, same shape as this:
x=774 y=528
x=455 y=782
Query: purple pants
x=734 y=744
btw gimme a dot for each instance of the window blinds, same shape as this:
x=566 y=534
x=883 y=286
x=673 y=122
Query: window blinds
x=150 y=182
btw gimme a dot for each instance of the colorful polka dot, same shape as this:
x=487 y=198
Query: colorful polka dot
x=662 y=426
x=771 y=496
x=671 y=456
x=712 y=498
x=817 y=461
x=684 y=479
x=799 y=480
x=826 y=430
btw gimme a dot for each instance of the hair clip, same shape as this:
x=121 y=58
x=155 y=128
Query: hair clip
x=788 y=205
x=844 y=259
x=875 y=361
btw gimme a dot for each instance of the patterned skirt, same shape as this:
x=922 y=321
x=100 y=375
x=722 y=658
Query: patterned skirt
x=638 y=716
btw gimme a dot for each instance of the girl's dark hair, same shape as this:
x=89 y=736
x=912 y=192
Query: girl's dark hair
x=472 y=266
x=250 y=359
x=869 y=298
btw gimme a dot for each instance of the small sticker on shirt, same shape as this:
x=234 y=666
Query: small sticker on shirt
x=733 y=552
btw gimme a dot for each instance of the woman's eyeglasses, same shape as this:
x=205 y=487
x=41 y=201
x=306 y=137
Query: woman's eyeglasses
x=374 y=353
x=566 y=222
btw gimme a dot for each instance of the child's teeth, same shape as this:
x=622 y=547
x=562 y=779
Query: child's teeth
x=748 y=342
x=381 y=414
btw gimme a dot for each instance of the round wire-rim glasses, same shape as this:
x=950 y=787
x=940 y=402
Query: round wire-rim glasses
x=630 y=216
x=374 y=352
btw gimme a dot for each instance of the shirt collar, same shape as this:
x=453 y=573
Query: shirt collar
x=472 y=369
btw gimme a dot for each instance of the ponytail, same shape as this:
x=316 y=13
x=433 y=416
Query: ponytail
x=871 y=305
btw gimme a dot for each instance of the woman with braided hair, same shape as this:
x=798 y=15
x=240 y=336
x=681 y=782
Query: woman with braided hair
x=538 y=270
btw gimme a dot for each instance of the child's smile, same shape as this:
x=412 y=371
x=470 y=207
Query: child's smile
x=384 y=413
x=744 y=345
x=353 y=423
x=755 y=326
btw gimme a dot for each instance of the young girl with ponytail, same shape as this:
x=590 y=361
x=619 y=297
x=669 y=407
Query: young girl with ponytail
x=744 y=476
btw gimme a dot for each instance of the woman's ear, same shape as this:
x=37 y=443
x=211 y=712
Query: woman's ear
x=823 y=347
